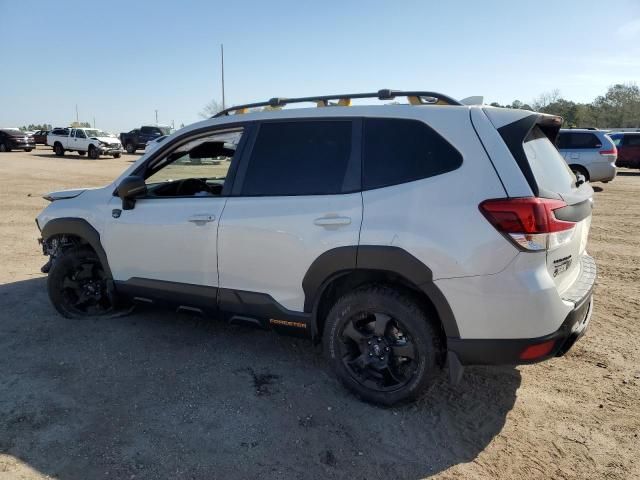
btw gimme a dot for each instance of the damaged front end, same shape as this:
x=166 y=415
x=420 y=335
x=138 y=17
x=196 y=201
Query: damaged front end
x=53 y=247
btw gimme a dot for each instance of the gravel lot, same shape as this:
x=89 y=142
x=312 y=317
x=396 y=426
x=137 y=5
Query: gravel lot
x=161 y=395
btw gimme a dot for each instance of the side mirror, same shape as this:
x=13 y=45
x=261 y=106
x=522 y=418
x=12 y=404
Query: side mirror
x=130 y=188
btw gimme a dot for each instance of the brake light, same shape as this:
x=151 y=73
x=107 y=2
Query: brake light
x=613 y=151
x=529 y=222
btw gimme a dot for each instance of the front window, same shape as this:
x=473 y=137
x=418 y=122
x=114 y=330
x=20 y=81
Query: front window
x=198 y=168
x=80 y=134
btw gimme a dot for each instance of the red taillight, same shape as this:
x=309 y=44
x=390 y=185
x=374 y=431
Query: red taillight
x=533 y=352
x=528 y=221
x=613 y=151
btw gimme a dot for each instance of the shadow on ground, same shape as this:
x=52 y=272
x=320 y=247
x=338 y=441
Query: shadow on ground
x=628 y=173
x=159 y=395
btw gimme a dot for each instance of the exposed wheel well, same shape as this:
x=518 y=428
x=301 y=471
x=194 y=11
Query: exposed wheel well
x=343 y=283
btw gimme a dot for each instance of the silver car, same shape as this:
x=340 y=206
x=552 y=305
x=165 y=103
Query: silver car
x=589 y=152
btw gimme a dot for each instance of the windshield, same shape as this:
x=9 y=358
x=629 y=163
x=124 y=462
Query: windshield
x=92 y=132
x=165 y=130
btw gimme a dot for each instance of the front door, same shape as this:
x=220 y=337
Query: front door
x=80 y=141
x=171 y=233
x=295 y=198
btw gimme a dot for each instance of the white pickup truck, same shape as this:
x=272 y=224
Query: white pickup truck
x=84 y=140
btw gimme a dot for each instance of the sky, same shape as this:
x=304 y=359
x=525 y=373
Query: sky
x=119 y=61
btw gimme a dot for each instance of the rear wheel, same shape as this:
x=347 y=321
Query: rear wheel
x=130 y=148
x=28 y=149
x=381 y=345
x=580 y=170
x=116 y=155
x=4 y=148
x=57 y=148
x=77 y=284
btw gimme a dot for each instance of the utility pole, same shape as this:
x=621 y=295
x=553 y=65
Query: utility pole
x=156 y=117
x=94 y=122
x=222 y=62
x=77 y=113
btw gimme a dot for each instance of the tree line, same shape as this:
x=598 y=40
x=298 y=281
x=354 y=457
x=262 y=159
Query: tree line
x=619 y=107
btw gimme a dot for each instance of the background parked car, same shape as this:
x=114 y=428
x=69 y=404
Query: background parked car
x=14 y=139
x=628 y=144
x=589 y=152
x=138 y=138
x=40 y=136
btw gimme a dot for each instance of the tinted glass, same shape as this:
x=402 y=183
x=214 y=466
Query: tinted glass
x=549 y=168
x=80 y=134
x=631 y=140
x=299 y=158
x=147 y=130
x=570 y=140
x=397 y=151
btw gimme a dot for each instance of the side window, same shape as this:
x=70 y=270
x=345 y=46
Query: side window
x=397 y=151
x=632 y=140
x=583 y=140
x=80 y=134
x=147 y=130
x=197 y=168
x=563 y=140
x=300 y=158
x=616 y=139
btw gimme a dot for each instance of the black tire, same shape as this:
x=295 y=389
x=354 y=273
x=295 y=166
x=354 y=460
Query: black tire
x=116 y=155
x=381 y=345
x=82 y=153
x=4 y=148
x=580 y=170
x=28 y=149
x=130 y=147
x=58 y=150
x=94 y=154
x=77 y=284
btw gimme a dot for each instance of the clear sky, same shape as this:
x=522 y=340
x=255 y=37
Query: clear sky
x=121 y=60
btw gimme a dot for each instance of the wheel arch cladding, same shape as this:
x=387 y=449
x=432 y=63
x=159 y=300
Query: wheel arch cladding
x=78 y=227
x=339 y=262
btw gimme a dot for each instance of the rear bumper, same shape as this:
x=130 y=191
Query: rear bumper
x=602 y=171
x=510 y=351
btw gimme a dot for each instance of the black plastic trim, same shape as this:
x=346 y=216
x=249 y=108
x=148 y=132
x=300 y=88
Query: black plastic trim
x=513 y=135
x=576 y=212
x=201 y=297
x=80 y=228
x=343 y=260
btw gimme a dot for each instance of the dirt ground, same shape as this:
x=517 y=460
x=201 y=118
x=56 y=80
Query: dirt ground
x=161 y=395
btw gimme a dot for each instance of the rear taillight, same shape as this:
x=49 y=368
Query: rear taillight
x=529 y=222
x=610 y=152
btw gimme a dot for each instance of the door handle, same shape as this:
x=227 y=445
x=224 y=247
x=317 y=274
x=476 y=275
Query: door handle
x=332 y=221
x=201 y=218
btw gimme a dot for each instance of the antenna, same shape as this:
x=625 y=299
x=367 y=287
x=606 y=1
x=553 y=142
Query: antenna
x=222 y=63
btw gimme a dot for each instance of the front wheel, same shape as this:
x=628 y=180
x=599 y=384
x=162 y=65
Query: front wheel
x=93 y=153
x=28 y=149
x=77 y=284
x=116 y=155
x=382 y=345
x=130 y=148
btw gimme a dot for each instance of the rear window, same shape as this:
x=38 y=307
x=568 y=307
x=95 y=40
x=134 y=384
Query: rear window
x=549 y=168
x=577 y=140
x=397 y=151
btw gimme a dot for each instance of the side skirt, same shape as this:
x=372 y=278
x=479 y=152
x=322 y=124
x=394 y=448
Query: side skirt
x=234 y=306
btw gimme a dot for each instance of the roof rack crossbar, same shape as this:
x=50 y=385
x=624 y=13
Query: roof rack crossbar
x=385 y=94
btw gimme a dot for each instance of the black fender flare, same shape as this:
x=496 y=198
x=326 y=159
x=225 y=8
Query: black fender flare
x=340 y=261
x=78 y=227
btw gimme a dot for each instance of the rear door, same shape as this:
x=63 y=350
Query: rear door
x=296 y=196
x=553 y=179
x=631 y=150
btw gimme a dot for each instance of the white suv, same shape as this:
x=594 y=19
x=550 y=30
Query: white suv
x=405 y=237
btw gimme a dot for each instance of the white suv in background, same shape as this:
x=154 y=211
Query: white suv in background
x=589 y=152
x=405 y=237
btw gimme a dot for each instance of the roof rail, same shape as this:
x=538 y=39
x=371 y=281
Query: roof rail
x=414 y=97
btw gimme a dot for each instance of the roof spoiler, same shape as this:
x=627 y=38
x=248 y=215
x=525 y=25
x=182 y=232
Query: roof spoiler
x=475 y=100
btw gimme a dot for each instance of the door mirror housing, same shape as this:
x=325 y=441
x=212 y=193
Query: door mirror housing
x=129 y=189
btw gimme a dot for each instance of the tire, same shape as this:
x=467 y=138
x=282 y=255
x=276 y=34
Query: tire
x=116 y=155
x=580 y=170
x=130 y=147
x=94 y=154
x=82 y=154
x=77 y=284
x=4 y=148
x=57 y=148
x=28 y=149
x=370 y=337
